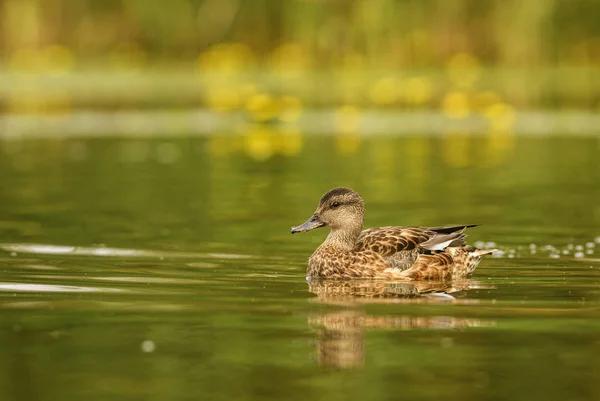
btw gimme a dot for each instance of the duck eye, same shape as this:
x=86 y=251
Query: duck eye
x=335 y=204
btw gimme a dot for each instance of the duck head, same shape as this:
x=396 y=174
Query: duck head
x=341 y=209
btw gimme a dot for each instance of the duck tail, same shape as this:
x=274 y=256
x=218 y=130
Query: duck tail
x=483 y=252
x=451 y=229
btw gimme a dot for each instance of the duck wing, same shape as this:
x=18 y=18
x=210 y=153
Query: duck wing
x=390 y=240
x=400 y=246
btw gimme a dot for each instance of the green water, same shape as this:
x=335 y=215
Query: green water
x=163 y=269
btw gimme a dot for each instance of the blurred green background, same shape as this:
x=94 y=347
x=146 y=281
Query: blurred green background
x=154 y=154
x=274 y=60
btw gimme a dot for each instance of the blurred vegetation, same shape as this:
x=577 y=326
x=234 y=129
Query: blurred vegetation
x=272 y=58
x=304 y=33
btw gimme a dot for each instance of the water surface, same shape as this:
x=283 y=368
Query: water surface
x=160 y=268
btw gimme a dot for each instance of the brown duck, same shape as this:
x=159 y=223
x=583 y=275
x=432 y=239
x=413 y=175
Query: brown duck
x=409 y=253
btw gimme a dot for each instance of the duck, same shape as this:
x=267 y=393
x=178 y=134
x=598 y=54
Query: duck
x=391 y=252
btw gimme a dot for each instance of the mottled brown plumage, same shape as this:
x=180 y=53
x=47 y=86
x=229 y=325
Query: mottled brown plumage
x=409 y=253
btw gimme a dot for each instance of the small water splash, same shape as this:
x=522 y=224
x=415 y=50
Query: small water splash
x=584 y=251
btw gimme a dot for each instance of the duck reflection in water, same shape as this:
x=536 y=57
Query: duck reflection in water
x=341 y=333
x=409 y=258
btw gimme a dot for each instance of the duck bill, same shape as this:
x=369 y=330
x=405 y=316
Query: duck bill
x=310 y=224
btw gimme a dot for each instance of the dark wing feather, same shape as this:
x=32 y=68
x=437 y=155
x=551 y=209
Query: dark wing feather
x=450 y=229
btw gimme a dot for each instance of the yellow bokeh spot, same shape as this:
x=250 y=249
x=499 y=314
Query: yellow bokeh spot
x=456 y=105
x=262 y=107
x=226 y=58
x=260 y=143
x=463 y=70
x=385 y=91
x=417 y=90
x=348 y=119
x=290 y=108
x=501 y=116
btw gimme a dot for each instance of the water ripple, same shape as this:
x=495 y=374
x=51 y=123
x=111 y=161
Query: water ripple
x=46 y=249
x=27 y=287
